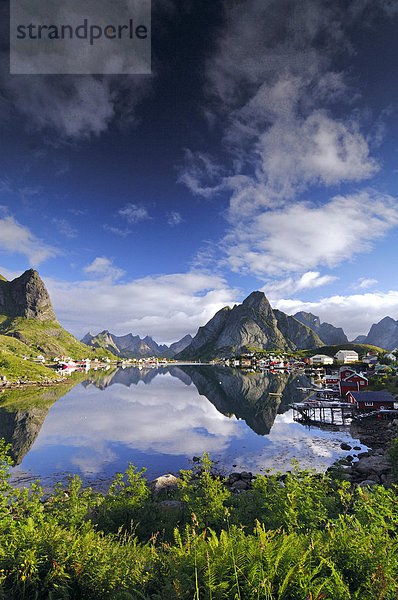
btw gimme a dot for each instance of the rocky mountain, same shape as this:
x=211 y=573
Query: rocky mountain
x=252 y=324
x=383 y=334
x=132 y=346
x=329 y=334
x=179 y=346
x=26 y=313
x=26 y=297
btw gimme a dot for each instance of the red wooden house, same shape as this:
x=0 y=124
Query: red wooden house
x=351 y=380
x=346 y=372
x=370 y=401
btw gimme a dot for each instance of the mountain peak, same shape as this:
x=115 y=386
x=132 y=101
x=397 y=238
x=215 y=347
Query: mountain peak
x=387 y=321
x=252 y=324
x=26 y=296
x=329 y=334
x=384 y=334
x=257 y=300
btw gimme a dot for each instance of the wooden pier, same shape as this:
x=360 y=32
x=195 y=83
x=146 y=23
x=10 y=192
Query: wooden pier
x=332 y=413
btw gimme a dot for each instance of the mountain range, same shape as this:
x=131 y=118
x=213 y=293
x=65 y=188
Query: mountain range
x=252 y=324
x=28 y=324
x=132 y=346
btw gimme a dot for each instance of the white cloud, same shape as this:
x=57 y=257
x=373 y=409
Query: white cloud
x=174 y=218
x=74 y=107
x=17 y=238
x=274 y=90
x=134 y=213
x=117 y=230
x=290 y=285
x=301 y=236
x=366 y=283
x=354 y=313
x=273 y=87
x=103 y=267
x=65 y=228
x=78 y=108
x=201 y=174
x=132 y=416
x=164 y=306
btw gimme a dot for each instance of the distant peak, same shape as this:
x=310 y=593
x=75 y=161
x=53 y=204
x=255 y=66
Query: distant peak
x=387 y=320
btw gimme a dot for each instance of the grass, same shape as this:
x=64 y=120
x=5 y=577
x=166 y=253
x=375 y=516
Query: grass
x=302 y=537
x=49 y=337
x=361 y=349
x=15 y=368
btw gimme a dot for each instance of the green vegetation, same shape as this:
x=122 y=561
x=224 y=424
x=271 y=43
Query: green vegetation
x=383 y=382
x=34 y=338
x=48 y=337
x=15 y=368
x=361 y=349
x=298 y=537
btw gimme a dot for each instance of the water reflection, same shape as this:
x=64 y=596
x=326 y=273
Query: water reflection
x=160 y=418
x=254 y=397
x=22 y=414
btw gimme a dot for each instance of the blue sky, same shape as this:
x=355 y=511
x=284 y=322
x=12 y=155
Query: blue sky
x=260 y=154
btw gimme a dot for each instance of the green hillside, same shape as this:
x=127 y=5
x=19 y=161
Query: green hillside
x=14 y=367
x=361 y=349
x=47 y=338
x=26 y=314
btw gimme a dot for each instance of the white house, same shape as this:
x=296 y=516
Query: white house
x=370 y=359
x=346 y=356
x=321 y=359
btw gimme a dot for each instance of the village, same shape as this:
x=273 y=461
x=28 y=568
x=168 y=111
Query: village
x=343 y=386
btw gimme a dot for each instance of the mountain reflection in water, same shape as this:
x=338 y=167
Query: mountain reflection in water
x=160 y=418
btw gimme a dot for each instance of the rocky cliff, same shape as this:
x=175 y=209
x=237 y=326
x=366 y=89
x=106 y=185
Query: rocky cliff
x=299 y=334
x=26 y=313
x=252 y=324
x=329 y=334
x=27 y=297
x=383 y=334
x=179 y=346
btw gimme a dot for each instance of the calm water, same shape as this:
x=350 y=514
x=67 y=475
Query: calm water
x=160 y=419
